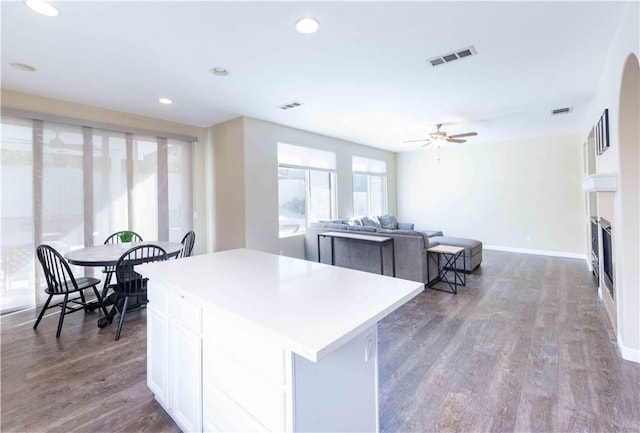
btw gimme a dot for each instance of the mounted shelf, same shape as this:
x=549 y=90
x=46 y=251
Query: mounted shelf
x=600 y=182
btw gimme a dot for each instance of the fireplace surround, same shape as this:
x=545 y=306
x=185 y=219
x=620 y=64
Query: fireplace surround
x=595 y=249
x=607 y=255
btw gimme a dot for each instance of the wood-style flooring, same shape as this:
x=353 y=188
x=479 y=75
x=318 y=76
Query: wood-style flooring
x=524 y=347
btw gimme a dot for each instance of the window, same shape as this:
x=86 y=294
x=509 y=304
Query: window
x=306 y=187
x=69 y=186
x=369 y=186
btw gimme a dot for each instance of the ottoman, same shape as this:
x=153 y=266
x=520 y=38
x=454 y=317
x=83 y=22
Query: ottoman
x=472 y=250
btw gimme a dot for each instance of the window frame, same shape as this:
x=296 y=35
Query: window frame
x=333 y=188
x=369 y=175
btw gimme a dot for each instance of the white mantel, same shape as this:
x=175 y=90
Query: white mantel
x=600 y=182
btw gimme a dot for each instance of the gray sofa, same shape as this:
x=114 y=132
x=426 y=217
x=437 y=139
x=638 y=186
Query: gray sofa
x=410 y=248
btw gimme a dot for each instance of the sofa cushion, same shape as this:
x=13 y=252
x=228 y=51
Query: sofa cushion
x=362 y=229
x=432 y=233
x=405 y=226
x=372 y=221
x=388 y=222
x=355 y=222
x=336 y=226
x=472 y=245
x=405 y=233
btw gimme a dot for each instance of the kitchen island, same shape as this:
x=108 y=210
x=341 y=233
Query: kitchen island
x=242 y=340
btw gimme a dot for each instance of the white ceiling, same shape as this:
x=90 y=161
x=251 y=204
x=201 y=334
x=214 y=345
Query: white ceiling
x=363 y=77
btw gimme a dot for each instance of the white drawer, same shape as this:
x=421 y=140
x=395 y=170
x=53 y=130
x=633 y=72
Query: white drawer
x=186 y=313
x=158 y=296
x=220 y=413
x=263 y=399
x=258 y=354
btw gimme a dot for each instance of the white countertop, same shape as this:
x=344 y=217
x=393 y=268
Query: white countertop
x=309 y=308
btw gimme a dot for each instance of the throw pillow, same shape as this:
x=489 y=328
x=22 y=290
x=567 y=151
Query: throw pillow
x=355 y=222
x=388 y=222
x=371 y=221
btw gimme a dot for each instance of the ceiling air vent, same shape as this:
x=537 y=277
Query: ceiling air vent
x=450 y=57
x=290 y=105
x=561 y=111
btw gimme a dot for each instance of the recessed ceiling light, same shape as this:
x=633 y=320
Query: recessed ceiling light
x=42 y=7
x=307 y=25
x=217 y=70
x=165 y=101
x=23 y=67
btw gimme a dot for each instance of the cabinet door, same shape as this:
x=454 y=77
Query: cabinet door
x=186 y=378
x=158 y=355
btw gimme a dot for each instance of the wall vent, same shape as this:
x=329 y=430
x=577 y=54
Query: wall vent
x=290 y=105
x=450 y=57
x=564 y=110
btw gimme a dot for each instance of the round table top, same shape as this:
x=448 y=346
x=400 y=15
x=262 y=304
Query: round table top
x=108 y=255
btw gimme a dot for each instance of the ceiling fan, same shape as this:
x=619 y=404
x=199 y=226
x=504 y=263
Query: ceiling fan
x=443 y=136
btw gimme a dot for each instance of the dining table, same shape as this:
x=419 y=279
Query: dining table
x=109 y=254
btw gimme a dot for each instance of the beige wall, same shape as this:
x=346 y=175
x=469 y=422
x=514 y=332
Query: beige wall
x=516 y=195
x=54 y=107
x=260 y=174
x=230 y=205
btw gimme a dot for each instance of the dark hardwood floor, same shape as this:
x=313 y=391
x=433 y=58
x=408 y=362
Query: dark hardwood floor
x=525 y=347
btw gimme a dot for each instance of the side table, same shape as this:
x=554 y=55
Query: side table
x=379 y=240
x=450 y=255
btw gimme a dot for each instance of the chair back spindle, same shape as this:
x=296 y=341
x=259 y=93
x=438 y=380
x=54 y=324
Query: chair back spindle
x=61 y=281
x=56 y=270
x=188 y=241
x=131 y=284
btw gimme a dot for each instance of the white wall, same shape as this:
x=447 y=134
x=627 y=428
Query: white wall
x=260 y=174
x=499 y=193
x=627 y=41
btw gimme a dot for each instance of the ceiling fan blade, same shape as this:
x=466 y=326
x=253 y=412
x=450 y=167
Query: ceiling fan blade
x=415 y=141
x=466 y=134
x=426 y=144
x=455 y=140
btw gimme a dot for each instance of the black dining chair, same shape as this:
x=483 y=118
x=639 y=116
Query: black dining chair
x=130 y=285
x=61 y=282
x=108 y=270
x=187 y=245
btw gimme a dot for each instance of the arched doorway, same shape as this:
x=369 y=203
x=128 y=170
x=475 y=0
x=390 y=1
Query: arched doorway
x=628 y=235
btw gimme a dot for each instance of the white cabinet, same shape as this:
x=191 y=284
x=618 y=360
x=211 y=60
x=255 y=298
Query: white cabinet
x=254 y=384
x=158 y=354
x=174 y=355
x=186 y=378
x=247 y=384
x=292 y=350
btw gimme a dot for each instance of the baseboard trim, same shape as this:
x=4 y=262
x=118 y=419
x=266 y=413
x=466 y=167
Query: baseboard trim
x=538 y=252
x=628 y=353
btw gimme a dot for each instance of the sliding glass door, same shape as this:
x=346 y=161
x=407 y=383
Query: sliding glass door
x=17 y=271
x=72 y=186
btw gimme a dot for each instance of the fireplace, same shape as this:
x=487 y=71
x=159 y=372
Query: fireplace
x=607 y=255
